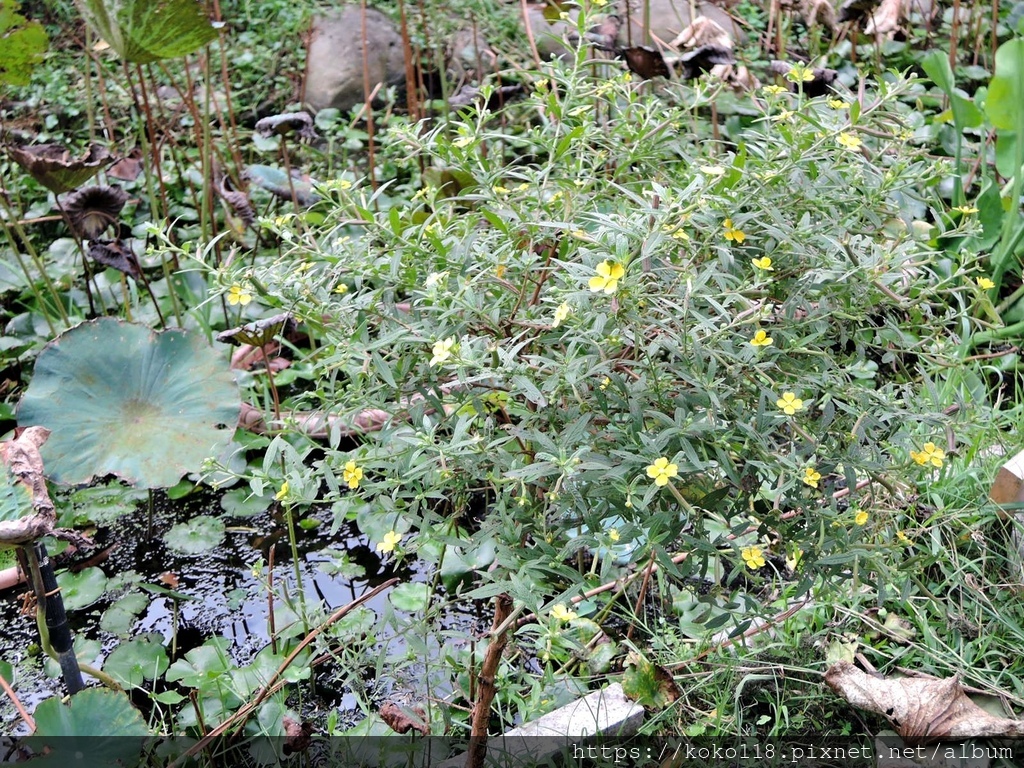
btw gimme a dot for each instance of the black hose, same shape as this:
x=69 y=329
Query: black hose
x=61 y=639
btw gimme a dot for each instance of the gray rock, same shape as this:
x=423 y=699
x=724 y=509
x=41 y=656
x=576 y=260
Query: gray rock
x=470 y=56
x=334 y=58
x=668 y=18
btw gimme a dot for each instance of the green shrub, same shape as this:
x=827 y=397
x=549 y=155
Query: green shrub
x=625 y=344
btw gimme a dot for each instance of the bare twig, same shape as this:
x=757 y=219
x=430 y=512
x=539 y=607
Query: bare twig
x=17 y=704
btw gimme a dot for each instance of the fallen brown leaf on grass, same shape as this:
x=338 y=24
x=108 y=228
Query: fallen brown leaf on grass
x=922 y=711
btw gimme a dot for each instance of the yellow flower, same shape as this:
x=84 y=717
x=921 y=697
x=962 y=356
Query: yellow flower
x=607 y=278
x=967 y=210
x=463 y=141
x=604 y=383
x=499 y=271
x=238 y=295
x=783 y=115
x=613 y=534
x=861 y=517
x=929 y=454
x=985 y=284
x=561 y=312
x=391 y=539
x=790 y=403
x=283 y=493
x=798 y=72
x=811 y=477
x=561 y=613
x=680 y=234
x=848 y=141
x=735 y=235
x=903 y=538
x=342 y=288
x=599 y=3
x=764 y=263
x=762 y=339
x=660 y=471
x=837 y=104
x=773 y=90
x=352 y=474
x=499 y=190
x=442 y=350
x=753 y=557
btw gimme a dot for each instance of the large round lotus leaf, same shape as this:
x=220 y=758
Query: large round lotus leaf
x=121 y=399
x=69 y=733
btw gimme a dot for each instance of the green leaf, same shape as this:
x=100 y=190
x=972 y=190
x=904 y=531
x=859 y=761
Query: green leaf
x=69 y=731
x=15 y=499
x=136 y=661
x=87 y=651
x=277 y=182
x=143 y=31
x=411 y=598
x=120 y=617
x=82 y=588
x=202 y=666
x=121 y=399
x=648 y=684
x=7 y=672
x=242 y=502
x=1006 y=153
x=965 y=113
x=22 y=45
x=92 y=712
x=200 y=534
x=1005 y=98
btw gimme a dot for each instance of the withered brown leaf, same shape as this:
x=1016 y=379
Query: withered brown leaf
x=922 y=711
x=401 y=720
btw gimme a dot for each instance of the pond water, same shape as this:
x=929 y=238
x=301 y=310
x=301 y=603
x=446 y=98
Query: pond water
x=228 y=598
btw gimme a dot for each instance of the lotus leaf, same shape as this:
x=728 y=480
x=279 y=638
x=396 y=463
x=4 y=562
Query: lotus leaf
x=53 y=166
x=83 y=588
x=124 y=400
x=86 y=651
x=276 y=181
x=410 y=597
x=143 y=31
x=120 y=617
x=137 y=660
x=15 y=499
x=194 y=536
x=70 y=731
